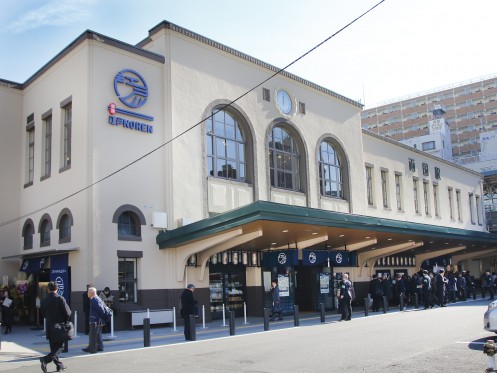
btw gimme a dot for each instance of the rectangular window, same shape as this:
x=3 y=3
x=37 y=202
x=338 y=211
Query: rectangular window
x=471 y=209
x=458 y=204
x=398 y=190
x=429 y=145
x=301 y=107
x=127 y=280
x=435 y=200
x=266 y=96
x=30 y=150
x=426 y=197
x=415 y=191
x=66 y=136
x=451 y=203
x=369 y=185
x=478 y=210
x=384 y=188
x=46 y=157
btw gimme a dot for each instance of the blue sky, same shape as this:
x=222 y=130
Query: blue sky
x=400 y=48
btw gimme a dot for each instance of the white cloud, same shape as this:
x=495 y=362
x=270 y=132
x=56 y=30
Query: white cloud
x=55 y=13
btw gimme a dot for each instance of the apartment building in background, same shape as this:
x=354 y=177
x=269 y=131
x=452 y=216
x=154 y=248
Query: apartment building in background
x=461 y=117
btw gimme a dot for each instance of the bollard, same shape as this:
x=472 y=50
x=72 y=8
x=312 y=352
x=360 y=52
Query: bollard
x=266 y=319
x=490 y=349
x=232 y=322
x=296 y=321
x=416 y=300
x=174 y=319
x=146 y=332
x=366 y=306
x=193 y=330
x=401 y=305
x=474 y=293
x=321 y=308
x=75 y=324
x=92 y=345
x=224 y=315
x=203 y=317
x=385 y=304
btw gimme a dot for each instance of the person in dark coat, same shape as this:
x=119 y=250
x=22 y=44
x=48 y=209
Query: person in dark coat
x=400 y=286
x=97 y=316
x=86 y=309
x=376 y=291
x=345 y=298
x=441 y=288
x=387 y=288
x=7 y=311
x=275 y=297
x=426 y=289
x=55 y=310
x=188 y=303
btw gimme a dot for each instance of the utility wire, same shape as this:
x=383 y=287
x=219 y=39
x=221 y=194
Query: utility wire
x=193 y=126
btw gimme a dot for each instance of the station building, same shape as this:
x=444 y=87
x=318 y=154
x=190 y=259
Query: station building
x=181 y=160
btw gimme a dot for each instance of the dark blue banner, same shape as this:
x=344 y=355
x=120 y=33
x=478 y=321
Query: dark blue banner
x=59 y=274
x=280 y=258
x=336 y=258
x=33 y=265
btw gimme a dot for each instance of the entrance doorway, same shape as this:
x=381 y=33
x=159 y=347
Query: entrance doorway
x=306 y=287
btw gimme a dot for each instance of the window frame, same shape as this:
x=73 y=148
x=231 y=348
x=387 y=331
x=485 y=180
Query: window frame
x=415 y=190
x=384 y=188
x=398 y=191
x=334 y=165
x=239 y=146
x=281 y=177
x=66 y=134
x=138 y=218
x=370 y=185
x=123 y=280
x=46 y=156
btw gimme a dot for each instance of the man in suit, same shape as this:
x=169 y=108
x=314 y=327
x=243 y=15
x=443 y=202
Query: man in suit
x=55 y=310
x=97 y=316
x=188 y=303
x=345 y=298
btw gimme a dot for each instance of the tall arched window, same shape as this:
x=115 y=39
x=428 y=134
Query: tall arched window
x=330 y=171
x=225 y=147
x=64 y=224
x=45 y=228
x=27 y=234
x=283 y=160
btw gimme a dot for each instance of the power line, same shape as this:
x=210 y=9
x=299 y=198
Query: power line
x=221 y=108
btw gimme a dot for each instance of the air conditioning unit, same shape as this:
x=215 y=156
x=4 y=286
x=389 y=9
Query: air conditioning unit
x=159 y=220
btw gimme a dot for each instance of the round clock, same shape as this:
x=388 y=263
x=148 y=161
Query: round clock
x=284 y=102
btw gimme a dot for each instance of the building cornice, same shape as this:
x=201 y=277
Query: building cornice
x=171 y=26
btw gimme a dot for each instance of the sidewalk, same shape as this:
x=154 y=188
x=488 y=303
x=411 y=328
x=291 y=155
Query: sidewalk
x=24 y=345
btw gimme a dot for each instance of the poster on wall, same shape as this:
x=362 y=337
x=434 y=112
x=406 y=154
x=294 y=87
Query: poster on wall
x=284 y=285
x=324 y=283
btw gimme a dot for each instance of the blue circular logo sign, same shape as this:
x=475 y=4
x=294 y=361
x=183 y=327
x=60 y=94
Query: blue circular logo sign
x=339 y=258
x=281 y=258
x=60 y=284
x=131 y=88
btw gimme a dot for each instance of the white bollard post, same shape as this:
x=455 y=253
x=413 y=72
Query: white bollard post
x=44 y=325
x=75 y=324
x=224 y=315
x=148 y=313
x=112 y=325
x=245 y=313
x=490 y=349
x=203 y=316
x=174 y=319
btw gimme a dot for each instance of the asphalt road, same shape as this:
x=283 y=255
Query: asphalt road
x=437 y=340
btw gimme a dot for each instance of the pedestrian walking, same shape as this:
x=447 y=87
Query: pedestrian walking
x=345 y=298
x=55 y=310
x=275 y=296
x=97 y=316
x=188 y=304
x=376 y=291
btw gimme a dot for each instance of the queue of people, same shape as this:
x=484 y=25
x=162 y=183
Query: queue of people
x=432 y=288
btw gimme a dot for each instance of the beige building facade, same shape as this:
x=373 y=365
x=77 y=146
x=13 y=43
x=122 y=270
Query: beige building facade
x=148 y=167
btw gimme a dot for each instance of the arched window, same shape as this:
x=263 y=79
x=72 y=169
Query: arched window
x=65 y=227
x=283 y=160
x=330 y=171
x=129 y=220
x=225 y=147
x=128 y=224
x=45 y=228
x=27 y=234
x=64 y=224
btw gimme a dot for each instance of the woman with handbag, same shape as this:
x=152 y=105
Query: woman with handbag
x=56 y=312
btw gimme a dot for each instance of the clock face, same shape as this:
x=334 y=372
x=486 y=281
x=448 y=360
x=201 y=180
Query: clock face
x=284 y=102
